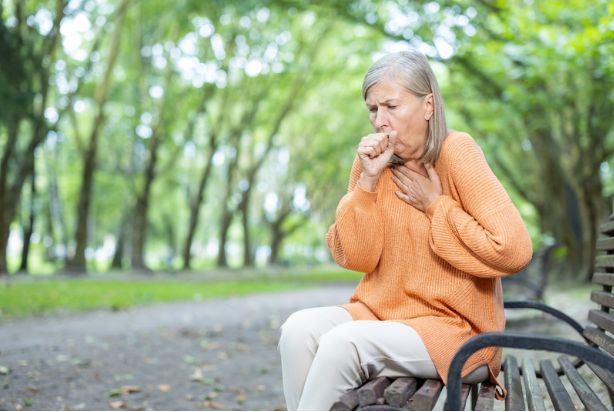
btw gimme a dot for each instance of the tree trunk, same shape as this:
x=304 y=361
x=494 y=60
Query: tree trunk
x=29 y=227
x=248 y=255
x=77 y=264
x=7 y=204
x=195 y=208
x=142 y=208
x=118 y=255
x=277 y=237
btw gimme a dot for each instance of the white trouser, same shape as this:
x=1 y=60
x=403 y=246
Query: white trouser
x=325 y=354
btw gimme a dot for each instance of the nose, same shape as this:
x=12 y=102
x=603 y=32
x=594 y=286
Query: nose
x=381 y=122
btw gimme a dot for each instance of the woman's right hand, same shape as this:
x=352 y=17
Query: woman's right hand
x=374 y=152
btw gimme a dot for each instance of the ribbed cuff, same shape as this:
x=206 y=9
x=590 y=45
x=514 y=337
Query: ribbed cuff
x=363 y=197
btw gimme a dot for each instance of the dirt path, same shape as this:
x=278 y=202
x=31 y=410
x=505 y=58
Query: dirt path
x=218 y=354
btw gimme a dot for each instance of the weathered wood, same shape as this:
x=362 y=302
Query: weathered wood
x=605 y=376
x=400 y=391
x=535 y=396
x=474 y=395
x=373 y=389
x=377 y=408
x=426 y=397
x=599 y=338
x=603 y=298
x=585 y=393
x=605 y=261
x=465 y=389
x=607 y=228
x=605 y=244
x=559 y=396
x=486 y=397
x=602 y=319
x=347 y=402
x=515 y=397
x=603 y=278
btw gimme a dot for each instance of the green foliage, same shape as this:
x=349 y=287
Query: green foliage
x=21 y=298
x=532 y=81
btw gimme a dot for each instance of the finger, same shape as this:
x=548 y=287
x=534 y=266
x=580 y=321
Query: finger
x=403 y=197
x=400 y=184
x=400 y=176
x=432 y=172
x=366 y=151
x=406 y=172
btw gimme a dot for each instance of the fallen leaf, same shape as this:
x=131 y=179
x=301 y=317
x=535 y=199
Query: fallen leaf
x=114 y=392
x=4 y=370
x=129 y=389
x=241 y=399
x=117 y=404
x=211 y=396
x=197 y=376
x=164 y=387
x=214 y=405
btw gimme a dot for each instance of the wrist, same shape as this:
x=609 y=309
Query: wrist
x=368 y=182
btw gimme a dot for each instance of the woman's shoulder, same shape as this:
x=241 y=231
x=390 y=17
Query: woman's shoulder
x=458 y=145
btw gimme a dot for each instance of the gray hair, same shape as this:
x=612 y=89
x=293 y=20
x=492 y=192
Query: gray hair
x=412 y=71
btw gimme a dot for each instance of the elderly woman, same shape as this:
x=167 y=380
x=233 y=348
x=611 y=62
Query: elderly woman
x=433 y=230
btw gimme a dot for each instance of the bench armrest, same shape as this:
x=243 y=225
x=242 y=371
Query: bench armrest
x=518 y=341
x=525 y=304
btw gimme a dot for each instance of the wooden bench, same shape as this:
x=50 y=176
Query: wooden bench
x=524 y=378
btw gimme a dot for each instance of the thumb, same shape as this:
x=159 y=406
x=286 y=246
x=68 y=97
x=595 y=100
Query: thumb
x=392 y=141
x=433 y=176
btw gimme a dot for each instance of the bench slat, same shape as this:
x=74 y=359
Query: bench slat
x=599 y=338
x=602 y=278
x=585 y=393
x=400 y=391
x=606 y=243
x=465 y=390
x=535 y=396
x=486 y=397
x=602 y=319
x=560 y=398
x=372 y=390
x=603 y=298
x=605 y=376
x=515 y=398
x=427 y=395
x=605 y=261
x=347 y=402
x=607 y=228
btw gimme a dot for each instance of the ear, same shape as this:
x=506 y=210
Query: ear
x=429 y=107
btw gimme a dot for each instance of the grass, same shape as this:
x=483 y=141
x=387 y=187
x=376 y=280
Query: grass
x=26 y=297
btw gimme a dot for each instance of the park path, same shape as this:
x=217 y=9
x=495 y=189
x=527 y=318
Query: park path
x=215 y=354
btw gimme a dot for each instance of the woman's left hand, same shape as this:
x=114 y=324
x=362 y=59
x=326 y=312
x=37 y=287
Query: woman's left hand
x=416 y=189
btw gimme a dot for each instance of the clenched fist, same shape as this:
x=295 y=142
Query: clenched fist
x=375 y=151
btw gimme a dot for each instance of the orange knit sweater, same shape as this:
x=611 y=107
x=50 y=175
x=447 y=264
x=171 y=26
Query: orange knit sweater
x=438 y=272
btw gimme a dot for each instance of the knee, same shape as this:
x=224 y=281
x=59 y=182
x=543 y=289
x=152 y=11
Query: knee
x=339 y=346
x=298 y=329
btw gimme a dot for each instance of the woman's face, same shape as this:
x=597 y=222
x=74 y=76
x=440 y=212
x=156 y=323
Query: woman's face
x=393 y=108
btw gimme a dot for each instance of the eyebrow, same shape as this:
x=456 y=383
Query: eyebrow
x=386 y=102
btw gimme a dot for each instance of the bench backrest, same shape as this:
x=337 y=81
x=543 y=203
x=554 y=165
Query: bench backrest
x=601 y=329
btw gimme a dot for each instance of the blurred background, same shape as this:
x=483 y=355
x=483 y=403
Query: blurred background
x=190 y=135
x=156 y=151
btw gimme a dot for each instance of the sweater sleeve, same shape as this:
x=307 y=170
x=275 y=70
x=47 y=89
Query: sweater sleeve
x=482 y=233
x=356 y=238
